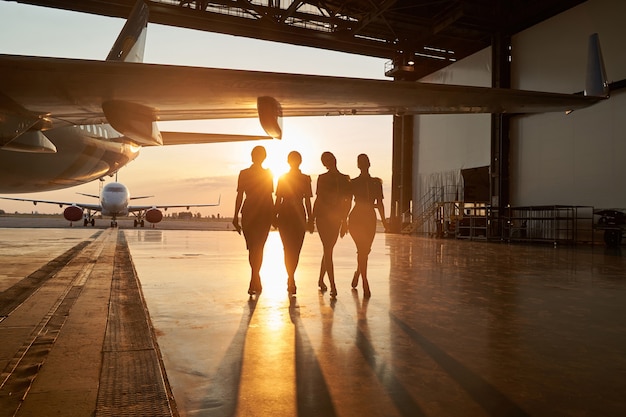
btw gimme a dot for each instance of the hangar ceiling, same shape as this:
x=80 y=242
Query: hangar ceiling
x=430 y=33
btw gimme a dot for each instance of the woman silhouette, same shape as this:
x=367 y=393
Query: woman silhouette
x=293 y=208
x=368 y=196
x=330 y=211
x=257 y=183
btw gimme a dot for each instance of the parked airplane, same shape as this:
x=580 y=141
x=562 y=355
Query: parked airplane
x=64 y=122
x=114 y=202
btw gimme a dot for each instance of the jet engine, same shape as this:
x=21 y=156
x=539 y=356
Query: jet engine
x=154 y=215
x=73 y=213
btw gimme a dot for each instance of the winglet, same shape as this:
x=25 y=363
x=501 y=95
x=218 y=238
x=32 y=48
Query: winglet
x=596 y=84
x=131 y=42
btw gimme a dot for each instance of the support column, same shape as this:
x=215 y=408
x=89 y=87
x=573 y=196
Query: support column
x=402 y=171
x=500 y=141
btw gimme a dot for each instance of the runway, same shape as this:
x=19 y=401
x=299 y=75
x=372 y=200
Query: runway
x=452 y=328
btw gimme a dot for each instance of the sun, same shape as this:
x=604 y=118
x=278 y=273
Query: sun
x=277 y=151
x=276 y=159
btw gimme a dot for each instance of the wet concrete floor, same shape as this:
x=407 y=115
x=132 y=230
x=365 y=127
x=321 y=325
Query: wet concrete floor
x=453 y=328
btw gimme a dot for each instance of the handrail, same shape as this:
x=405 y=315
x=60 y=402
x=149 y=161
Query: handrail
x=428 y=204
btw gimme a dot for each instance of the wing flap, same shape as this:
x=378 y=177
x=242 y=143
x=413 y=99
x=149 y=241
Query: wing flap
x=188 y=138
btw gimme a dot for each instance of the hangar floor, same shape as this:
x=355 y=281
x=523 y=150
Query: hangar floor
x=452 y=327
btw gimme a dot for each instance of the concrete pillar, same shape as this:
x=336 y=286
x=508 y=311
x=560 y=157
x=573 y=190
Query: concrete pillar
x=402 y=171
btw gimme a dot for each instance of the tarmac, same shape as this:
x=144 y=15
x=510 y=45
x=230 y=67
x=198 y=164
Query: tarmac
x=158 y=322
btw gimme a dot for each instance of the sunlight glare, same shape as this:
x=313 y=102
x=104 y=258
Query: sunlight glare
x=273 y=273
x=277 y=151
x=274 y=281
x=276 y=159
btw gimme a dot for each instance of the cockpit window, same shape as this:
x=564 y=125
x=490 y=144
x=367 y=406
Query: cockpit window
x=116 y=189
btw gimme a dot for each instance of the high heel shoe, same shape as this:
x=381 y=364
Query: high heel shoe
x=255 y=290
x=366 y=290
x=333 y=292
x=355 y=279
x=291 y=286
x=322 y=286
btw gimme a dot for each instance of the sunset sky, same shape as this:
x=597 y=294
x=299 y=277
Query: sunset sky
x=201 y=173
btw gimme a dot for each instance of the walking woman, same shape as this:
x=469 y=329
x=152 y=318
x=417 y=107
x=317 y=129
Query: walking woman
x=368 y=196
x=293 y=211
x=257 y=183
x=330 y=211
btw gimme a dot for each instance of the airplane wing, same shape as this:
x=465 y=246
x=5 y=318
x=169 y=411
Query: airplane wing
x=92 y=207
x=133 y=209
x=70 y=91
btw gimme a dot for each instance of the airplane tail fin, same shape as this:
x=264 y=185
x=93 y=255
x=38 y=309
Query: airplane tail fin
x=596 y=84
x=131 y=42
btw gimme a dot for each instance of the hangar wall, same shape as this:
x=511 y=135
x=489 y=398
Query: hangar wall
x=445 y=144
x=556 y=159
x=576 y=159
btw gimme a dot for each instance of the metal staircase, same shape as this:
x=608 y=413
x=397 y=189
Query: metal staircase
x=420 y=220
x=435 y=207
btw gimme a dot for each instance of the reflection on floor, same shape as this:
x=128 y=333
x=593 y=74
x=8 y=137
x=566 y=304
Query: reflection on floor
x=453 y=328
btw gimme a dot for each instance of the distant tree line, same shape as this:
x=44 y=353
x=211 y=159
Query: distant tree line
x=187 y=215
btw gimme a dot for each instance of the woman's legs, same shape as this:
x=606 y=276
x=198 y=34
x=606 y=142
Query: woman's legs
x=362 y=226
x=256 y=236
x=320 y=280
x=292 y=244
x=362 y=257
x=363 y=243
x=328 y=229
x=330 y=268
x=255 y=257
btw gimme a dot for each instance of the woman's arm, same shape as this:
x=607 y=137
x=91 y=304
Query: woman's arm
x=309 y=214
x=238 y=203
x=381 y=210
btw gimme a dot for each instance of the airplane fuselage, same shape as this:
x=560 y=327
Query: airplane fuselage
x=84 y=153
x=114 y=200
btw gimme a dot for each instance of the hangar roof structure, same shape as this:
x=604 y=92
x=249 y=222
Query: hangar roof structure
x=422 y=36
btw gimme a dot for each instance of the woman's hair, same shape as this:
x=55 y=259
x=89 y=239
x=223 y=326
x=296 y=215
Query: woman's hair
x=363 y=161
x=258 y=154
x=329 y=160
x=294 y=158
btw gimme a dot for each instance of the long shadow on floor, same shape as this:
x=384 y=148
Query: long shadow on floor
x=221 y=400
x=494 y=402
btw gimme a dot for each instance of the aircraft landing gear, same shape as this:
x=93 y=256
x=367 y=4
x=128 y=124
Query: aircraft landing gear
x=113 y=223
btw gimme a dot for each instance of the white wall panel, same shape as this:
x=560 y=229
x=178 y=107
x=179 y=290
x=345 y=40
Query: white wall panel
x=579 y=159
x=445 y=143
